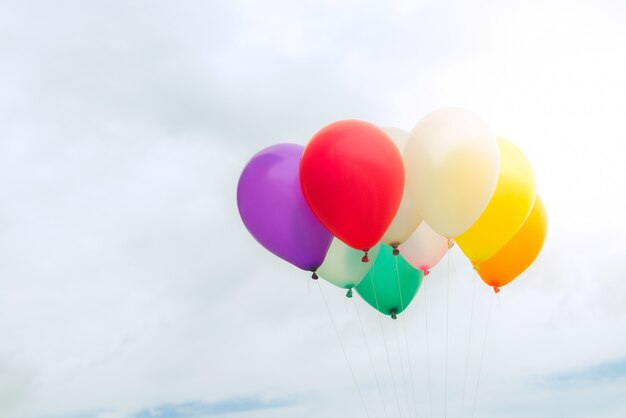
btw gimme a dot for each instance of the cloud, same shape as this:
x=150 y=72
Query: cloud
x=17 y=385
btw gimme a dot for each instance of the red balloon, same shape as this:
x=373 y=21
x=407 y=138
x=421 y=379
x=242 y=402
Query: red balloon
x=352 y=178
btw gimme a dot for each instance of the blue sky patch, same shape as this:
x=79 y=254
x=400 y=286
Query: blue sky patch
x=197 y=409
x=605 y=371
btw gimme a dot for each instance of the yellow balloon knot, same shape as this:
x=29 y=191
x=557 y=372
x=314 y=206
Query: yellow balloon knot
x=477 y=266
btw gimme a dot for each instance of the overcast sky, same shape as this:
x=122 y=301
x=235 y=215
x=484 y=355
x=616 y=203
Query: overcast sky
x=129 y=287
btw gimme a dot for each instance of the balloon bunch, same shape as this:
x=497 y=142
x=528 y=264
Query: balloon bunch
x=341 y=208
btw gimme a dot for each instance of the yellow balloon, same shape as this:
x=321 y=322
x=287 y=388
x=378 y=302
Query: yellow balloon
x=507 y=210
x=519 y=252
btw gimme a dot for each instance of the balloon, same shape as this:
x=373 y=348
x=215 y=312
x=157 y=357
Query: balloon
x=424 y=248
x=452 y=166
x=519 y=252
x=273 y=209
x=380 y=287
x=343 y=266
x=407 y=218
x=507 y=210
x=352 y=177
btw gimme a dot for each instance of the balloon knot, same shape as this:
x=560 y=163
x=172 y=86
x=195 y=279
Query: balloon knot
x=314 y=276
x=365 y=259
x=393 y=315
x=426 y=272
x=477 y=266
x=496 y=289
x=349 y=294
x=450 y=243
x=395 y=251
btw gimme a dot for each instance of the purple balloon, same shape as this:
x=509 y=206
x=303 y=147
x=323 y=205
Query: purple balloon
x=274 y=211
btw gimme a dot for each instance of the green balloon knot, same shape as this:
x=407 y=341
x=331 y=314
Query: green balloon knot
x=393 y=315
x=349 y=294
x=314 y=276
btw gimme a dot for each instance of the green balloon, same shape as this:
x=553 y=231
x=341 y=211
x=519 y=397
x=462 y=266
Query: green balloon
x=380 y=287
x=343 y=266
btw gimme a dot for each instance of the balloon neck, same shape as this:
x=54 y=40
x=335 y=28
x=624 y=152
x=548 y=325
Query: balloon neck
x=314 y=276
x=365 y=259
x=393 y=315
x=349 y=294
x=395 y=251
x=426 y=272
x=450 y=243
x=496 y=289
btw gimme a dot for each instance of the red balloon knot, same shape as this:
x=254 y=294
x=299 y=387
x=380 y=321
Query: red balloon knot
x=365 y=259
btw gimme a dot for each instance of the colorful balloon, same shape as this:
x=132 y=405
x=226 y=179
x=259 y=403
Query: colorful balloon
x=507 y=210
x=407 y=219
x=424 y=248
x=452 y=165
x=343 y=266
x=519 y=252
x=352 y=177
x=273 y=209
x=380 y=287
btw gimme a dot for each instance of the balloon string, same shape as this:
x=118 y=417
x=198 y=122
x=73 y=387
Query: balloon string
x=343 y=349
x=404 y=387
x=430 y=393
x=445 y=393
x=380 y=320
x=482 y=354
x=395 y=325
x=369 y=353
x=453 y=261
x=406 y=343
x=408 y=354
x=469 y=340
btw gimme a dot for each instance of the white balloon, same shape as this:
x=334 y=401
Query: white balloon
x=343 y=266
x=452 y=164
x=424 y=248
x=407 y=218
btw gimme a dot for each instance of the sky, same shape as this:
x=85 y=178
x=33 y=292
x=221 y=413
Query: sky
x=129 y=287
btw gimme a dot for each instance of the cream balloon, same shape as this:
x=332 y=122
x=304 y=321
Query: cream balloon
x=424 y=248
x=343 y=266
x=452 y=164
x=407 y=218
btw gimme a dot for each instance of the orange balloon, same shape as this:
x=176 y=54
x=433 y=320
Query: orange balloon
x=519 y=252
